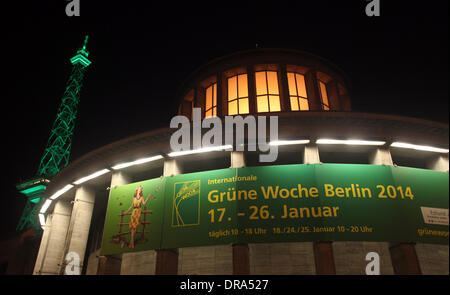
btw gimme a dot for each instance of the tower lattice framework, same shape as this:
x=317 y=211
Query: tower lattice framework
x=57 y=151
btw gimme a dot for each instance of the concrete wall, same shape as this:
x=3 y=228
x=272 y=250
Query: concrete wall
x=349 y=257
x=213 y=260
x=139 y=263
x=433 y=259
x=282 y=258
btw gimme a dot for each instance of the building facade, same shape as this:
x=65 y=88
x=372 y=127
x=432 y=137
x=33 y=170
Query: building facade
x=311 y=98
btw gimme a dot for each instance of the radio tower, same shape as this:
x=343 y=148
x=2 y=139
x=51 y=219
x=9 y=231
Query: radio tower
x=57 y=151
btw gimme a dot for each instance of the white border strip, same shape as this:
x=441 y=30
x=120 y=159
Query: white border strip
x=289 y=142
x=92 y=176
x=61 y=191
x=202 y=150
x=419 y=147
x=349 y=141
x=137 y=162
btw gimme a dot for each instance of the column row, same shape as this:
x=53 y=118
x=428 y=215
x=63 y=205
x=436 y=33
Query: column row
x=67 y=230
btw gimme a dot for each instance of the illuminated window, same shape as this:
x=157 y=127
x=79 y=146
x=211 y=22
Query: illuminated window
x=267 y=94
x=238 y=95
x=297 y=92
x=324 y=96
x=211 y=101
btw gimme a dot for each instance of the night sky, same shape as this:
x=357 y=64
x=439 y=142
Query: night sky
x=397 y=63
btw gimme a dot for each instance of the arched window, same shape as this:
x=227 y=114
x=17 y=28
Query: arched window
x=267 y=93
x=238 y=95
x=297 y=92
x=211 y=101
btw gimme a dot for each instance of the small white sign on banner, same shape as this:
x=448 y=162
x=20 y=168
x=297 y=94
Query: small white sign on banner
x=435 y=215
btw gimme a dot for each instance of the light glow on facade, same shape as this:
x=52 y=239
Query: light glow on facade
x=349 y=141
x=92 y=176
x=61 y=191
x=42 y=220
x=137 y=162
x=419 y=147
x=44 y=207
x=290 y=142
x=202 y=150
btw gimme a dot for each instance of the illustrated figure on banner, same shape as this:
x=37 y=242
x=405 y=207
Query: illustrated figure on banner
x=135 y=220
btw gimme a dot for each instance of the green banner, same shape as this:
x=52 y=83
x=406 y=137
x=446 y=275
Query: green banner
x=288 y=203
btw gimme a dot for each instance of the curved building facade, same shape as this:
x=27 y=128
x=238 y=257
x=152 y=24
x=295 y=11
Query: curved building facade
x=316 y=127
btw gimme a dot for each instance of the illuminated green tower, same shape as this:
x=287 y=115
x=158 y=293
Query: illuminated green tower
x=57 y=151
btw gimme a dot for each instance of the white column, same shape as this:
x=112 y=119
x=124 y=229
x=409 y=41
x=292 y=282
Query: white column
x=210 y=260
x=51 y=250
x=380 y=156
x=100 y=264
x=167 y=260
x=350 y=256
x=171 y=167
x=286 y=258
x=438 y=163
x=117 y=263
x=237 y=160
x=80 y=222
x=120 y=178
x=311 y=154
x=44 y=244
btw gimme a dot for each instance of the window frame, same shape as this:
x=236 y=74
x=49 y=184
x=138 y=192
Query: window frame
x=267 y=95
x=325 y=107
x=213 y=107
x=237 y=95
x=297 y=96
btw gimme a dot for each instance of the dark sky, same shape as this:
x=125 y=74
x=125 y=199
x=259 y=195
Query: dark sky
x=397 y=63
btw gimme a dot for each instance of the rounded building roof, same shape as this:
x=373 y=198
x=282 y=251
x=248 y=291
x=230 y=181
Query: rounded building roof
x=263 y=55
x=269 y=80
